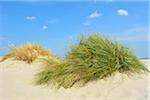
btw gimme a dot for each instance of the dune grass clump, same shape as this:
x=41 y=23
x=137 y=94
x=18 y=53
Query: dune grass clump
x=27 y=52
x=94 y=57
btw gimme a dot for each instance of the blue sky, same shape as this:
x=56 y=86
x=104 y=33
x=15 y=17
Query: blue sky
x=56 y=25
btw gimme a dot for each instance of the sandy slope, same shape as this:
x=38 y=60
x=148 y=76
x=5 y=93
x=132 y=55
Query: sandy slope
x=16 y=83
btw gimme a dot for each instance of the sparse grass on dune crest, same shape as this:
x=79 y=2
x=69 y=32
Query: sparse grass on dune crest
x=28 y=52
x=94 y=57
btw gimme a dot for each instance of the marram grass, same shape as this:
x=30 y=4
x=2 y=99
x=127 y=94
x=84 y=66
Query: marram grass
x=27 y=52
x=94 y=57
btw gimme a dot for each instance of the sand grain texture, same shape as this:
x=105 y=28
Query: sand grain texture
x=16 y=83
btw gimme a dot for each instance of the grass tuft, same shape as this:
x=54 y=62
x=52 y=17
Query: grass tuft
x=27 y=52
x=94 y=57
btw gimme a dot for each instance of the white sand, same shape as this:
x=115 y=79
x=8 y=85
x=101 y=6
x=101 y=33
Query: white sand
x=16 y=83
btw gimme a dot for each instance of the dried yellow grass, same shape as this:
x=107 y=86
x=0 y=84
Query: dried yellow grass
x=28 y=52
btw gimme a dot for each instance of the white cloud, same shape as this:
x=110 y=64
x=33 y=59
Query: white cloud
x=122 y=12
x=44 y=27
x=30 y=17
x=95 y=14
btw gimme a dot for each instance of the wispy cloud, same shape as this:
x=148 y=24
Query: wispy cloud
x=139 y=30
x=52 y=21
x=134 y=34
x=91 y=16
x=44 y=27
x=95 y=14
x=31 y=18
x=2 y=38
x=122 y=12
x=137 y=37
x=87 y=23
x=109 y=1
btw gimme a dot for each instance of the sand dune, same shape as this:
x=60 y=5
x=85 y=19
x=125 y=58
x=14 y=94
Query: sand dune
x=16 y=83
